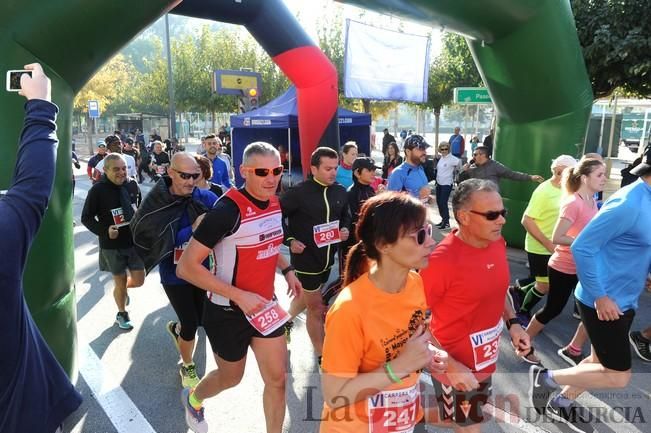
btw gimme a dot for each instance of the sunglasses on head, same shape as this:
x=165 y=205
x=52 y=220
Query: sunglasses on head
x=264 y=172
x=422 y=234
x=186 y=176
x=491 y=215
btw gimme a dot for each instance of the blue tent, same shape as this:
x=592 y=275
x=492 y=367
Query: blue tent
x=277 y=123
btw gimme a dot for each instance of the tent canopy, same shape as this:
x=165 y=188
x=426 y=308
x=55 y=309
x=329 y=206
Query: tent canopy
x=282 y=112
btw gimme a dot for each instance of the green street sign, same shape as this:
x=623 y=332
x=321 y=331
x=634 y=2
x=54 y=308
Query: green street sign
x=471 y=95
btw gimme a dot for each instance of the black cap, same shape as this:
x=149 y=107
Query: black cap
x=644 y=167
x=414 y=141
x=364 y=162
x=128 y=141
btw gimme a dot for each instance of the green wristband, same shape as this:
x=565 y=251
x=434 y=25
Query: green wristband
x=391 y=374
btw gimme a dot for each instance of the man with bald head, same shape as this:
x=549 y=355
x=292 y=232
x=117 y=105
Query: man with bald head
x=178 y=206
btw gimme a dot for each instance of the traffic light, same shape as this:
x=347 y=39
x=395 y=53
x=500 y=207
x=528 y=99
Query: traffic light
x=252 y=98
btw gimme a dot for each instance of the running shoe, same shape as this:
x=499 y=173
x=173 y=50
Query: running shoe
x=516 y=296
x=539 y=391
x=289 y=325
x=640 y=345
x=569 y=357
x=443 y=225
x=123 y=321
x=189 y=378
x=193 y=418
x=171 y=328
x=570 y=416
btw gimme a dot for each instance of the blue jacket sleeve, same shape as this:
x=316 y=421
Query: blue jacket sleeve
x=612 y=221
x=23 y=207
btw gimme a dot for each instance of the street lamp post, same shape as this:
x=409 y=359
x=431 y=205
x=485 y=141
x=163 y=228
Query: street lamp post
x=170 y=79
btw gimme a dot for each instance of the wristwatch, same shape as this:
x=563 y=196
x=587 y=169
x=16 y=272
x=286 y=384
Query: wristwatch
x=287 y=270
x=511 y=322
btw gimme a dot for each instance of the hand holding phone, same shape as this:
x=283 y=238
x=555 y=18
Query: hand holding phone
x=13 y=79
x=30 y=82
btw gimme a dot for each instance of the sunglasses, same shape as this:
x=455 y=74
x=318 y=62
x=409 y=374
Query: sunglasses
x=444 y=149
x=491 y=215
x=186 y=176
x=264 y=172
x=422 y=234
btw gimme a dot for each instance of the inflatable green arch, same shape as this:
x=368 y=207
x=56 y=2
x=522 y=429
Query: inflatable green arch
x=527 y=53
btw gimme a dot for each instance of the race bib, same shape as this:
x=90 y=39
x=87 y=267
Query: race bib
x=394 y=411
x=269 y=319
x=178 y=252
x=118 y=217
x=326 y=234
x=486 y=346
x=160 y=169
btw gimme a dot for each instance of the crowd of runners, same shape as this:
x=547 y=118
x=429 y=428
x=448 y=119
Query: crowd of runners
x=406 y=305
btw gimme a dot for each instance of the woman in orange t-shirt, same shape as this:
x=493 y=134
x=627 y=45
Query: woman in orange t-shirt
x=376 y=339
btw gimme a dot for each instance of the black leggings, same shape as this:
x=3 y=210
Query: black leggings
x=561 y=286
x=187 y=301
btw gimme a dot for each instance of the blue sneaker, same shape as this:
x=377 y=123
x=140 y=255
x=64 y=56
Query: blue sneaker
x=193 y=418
x=123 y=321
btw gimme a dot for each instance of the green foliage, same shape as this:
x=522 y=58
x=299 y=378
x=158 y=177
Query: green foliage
x=616 y=41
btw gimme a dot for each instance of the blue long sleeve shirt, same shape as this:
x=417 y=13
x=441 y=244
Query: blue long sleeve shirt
x=613 y=252
x=220 y=173
x=35 y=393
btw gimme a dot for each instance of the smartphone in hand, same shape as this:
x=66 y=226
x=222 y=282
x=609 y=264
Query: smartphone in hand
x=13 y=79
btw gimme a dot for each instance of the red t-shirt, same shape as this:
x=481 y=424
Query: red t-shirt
x=465 y=289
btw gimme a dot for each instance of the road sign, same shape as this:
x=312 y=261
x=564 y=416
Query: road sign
x=93 y=109
x=228 y=82
x=472 y=95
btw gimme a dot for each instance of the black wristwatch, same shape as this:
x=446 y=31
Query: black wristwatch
x=287 y=270
x=511 y=322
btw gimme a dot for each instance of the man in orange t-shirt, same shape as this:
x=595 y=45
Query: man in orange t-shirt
x=465 y=285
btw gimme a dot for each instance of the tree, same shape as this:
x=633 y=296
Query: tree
x=454 y=67
x=616 y=40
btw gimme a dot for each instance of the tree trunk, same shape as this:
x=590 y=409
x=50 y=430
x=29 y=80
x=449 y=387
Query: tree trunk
x=367 y=105
x=212 y=116
x=437 y=116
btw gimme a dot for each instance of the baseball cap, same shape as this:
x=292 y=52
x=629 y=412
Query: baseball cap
x=644 y=167
x=364 y=162
x=128 y=141
x=414 y=141
x=100 y=143
x=564 y=161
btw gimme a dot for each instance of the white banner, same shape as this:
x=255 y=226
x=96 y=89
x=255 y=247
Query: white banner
x=385 y=65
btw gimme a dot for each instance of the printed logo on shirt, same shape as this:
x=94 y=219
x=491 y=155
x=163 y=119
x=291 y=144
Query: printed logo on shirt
x=490 y=265
x=249 y=211
x=270 y=251
x=273 y=234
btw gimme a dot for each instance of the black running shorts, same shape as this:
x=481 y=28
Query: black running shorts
x=229 y=332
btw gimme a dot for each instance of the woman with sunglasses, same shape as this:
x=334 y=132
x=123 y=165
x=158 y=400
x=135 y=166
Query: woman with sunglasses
x=376 y=337
x=577 y=209
x=446 y=168
x=392 y=159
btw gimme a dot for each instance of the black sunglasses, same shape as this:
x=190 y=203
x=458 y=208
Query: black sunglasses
x=422 y=234
x=264 y=172
x=491 y=215
x=186 y=176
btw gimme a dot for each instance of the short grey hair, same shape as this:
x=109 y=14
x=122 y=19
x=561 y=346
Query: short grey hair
x=259 y=148
x=111 y=157
x=467 y=188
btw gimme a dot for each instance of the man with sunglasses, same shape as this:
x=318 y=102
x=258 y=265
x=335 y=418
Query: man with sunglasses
x=465 y=285
x=410 y=175
x=161 y=228
x=317 y=220
x=481 y=166
x=243 y=233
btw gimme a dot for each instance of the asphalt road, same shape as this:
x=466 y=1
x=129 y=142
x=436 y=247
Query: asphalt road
x=130 y=380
